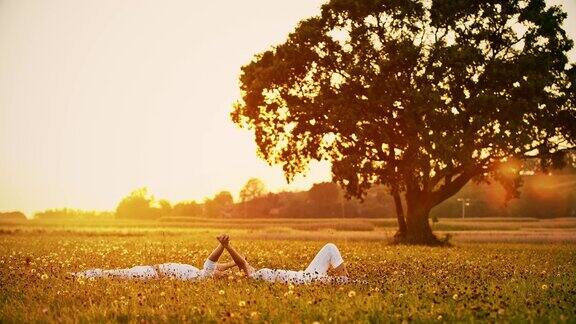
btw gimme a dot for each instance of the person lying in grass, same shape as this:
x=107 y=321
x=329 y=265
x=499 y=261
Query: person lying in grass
x=175 y=270
x=317 y=271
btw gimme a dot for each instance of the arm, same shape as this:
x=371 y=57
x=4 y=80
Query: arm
x=225 y=266
x=238 y=259
x=215 y=255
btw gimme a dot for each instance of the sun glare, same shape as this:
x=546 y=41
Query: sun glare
x=98 y=98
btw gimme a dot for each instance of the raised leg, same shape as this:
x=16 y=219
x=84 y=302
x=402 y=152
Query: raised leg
x=328 y=256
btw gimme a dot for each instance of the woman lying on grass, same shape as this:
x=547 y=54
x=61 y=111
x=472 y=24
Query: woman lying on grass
x=175 y=270
x=317 y=271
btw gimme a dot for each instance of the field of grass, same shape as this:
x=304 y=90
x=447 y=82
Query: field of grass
x=511 y=281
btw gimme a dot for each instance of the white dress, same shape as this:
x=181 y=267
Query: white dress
x=174 y=270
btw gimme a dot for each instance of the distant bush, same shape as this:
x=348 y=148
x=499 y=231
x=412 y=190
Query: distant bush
x=70 y=213
x=138 y=205
x=12 y=216
x=187 y=209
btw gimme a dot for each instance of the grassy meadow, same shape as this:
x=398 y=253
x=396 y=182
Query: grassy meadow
x=504 y=270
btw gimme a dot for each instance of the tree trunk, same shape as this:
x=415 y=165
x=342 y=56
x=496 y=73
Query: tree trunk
x=418 y=230
x=399 y=214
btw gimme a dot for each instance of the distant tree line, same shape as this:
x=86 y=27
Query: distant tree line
x=543 y=196
x=71 y=213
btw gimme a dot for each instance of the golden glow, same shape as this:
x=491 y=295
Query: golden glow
x=98 y=98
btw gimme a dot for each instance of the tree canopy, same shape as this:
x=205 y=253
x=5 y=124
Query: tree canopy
x=137 y=205
x=421 y=96
x=253 y=188
x=220 y=205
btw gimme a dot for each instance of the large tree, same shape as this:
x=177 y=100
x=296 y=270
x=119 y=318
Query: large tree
x=419 y=95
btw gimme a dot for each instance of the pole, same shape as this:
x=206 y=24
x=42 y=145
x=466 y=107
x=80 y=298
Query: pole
x=465 y=202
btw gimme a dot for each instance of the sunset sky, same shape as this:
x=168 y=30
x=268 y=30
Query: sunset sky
x=99 y=97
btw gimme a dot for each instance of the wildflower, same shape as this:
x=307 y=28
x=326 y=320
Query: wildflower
x=80 y=281
x=455 y=296
x=400 y=295
x=253 y=314
x=544 y=287
x=439 y=317
x=44 y=277
x=351 y=293
x=241 y=303
x=221 y=292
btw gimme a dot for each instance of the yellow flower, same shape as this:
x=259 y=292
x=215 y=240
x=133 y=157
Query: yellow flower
x=455 y=296
x=241 y=303
x=351 y=293
x=544 y=286
x=439 y=317
x=221 y=292
x=253 y=314
x=44 y=277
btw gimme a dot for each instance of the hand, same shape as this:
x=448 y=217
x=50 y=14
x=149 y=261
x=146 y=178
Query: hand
x=224 y=239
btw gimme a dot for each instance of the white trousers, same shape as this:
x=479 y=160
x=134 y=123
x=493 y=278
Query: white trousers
x=317 y=270
x=328 y=256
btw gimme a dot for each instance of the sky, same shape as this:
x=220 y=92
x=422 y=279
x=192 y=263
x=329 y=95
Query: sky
x=100 y=97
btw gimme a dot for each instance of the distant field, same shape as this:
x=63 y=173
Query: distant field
x=360 y=229
x=487 y=282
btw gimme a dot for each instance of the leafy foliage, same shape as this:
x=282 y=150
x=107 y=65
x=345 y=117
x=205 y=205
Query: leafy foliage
x=220 y=205
x=253 y=188
x=422 y=95
x=139 y=205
